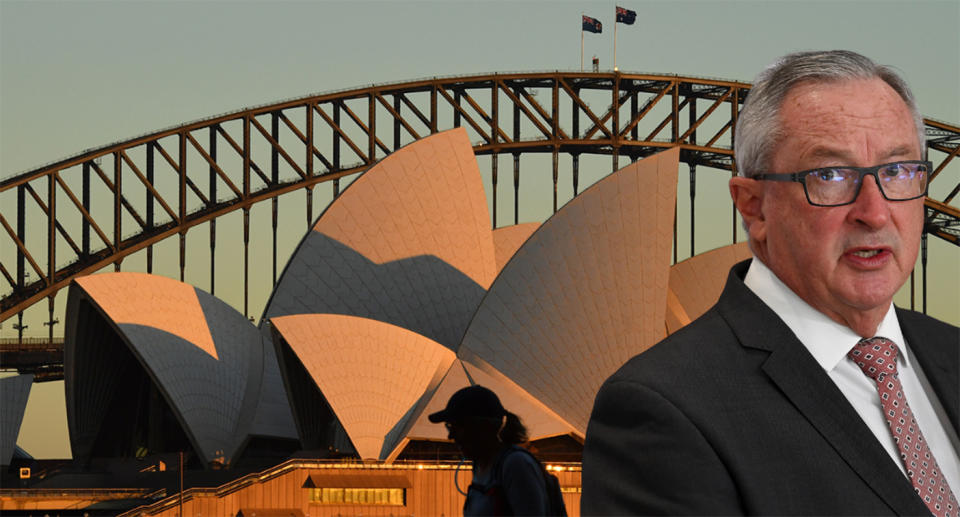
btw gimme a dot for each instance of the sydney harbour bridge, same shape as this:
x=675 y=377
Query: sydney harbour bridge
x=87 y=212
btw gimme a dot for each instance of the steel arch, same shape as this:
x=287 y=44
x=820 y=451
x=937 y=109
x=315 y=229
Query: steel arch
x=191 y=174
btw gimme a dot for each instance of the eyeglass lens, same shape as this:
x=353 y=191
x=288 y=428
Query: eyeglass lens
x=838 y=185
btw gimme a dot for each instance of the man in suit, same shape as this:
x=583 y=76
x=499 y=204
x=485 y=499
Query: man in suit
x=803 y=390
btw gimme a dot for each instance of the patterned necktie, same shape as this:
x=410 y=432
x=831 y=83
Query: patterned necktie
x=877 y=357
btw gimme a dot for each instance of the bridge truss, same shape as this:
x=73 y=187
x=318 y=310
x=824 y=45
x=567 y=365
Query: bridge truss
x=86 y=212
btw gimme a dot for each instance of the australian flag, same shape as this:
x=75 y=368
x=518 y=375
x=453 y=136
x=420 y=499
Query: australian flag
x=592 y=25
x=624 y=16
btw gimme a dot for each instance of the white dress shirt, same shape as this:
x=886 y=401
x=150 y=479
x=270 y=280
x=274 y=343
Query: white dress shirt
x=829 y=342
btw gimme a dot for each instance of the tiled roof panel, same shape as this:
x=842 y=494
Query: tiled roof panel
x=408 y=243
x=585 y=292
x=696 y=283
x=507 y=240
x=371 y=373
x=152 y=301
x=14 y=392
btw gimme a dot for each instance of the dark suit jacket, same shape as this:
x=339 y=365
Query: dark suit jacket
x=732 y=415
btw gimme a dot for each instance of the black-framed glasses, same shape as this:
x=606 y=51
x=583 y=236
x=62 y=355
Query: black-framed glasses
x=838 y=186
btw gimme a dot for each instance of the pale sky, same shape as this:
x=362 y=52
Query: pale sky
x=82 y=74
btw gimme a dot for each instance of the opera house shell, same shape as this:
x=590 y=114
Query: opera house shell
x=155 y=365
x=14 y=392
x=399 y=295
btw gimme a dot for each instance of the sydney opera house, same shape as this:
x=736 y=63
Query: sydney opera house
x=399 y=295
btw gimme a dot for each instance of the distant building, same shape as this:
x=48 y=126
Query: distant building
x=398 y=296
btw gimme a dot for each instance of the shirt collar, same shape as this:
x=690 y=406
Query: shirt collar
x=827 y=340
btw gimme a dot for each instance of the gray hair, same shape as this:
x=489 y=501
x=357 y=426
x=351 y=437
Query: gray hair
x=758 y=125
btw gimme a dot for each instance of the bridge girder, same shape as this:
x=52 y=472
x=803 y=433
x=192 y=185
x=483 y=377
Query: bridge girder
x=165 y=183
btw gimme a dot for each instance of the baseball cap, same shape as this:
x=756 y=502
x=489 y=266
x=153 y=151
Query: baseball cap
x=473 y=401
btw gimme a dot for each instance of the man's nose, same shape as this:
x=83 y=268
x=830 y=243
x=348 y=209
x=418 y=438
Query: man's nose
x=870 y=208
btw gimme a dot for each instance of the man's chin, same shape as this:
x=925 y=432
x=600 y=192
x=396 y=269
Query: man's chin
x=867 y=300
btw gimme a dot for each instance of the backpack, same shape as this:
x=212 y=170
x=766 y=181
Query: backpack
x=555 y=504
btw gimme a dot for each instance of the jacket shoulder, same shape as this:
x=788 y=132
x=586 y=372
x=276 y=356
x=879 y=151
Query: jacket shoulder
x=707 y=339
x=922 y=322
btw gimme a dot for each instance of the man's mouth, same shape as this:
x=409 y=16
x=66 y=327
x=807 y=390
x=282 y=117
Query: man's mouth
x=866 y=253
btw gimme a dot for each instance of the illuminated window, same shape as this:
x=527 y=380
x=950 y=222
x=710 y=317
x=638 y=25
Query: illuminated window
x=360 y=488
x=375 y=496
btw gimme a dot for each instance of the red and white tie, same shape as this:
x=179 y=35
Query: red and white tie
x=877 y=357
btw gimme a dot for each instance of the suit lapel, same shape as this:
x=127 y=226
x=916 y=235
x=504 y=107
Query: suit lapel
x=811 y=391
x=938 y=353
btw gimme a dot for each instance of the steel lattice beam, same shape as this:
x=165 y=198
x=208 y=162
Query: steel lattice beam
x=163 y=184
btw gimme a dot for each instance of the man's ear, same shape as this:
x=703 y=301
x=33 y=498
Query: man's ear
x=747 y=195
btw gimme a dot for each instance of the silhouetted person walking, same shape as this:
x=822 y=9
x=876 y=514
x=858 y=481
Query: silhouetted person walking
x=507 y=480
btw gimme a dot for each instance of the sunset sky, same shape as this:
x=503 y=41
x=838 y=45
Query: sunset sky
x=82 y=74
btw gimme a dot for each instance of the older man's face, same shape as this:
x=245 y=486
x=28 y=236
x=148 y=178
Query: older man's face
x=846 y=261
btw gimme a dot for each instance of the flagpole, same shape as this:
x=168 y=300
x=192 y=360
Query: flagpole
x=581 y=47
x=614 y=41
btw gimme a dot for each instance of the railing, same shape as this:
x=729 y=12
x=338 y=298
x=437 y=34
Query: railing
x=98 y=208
